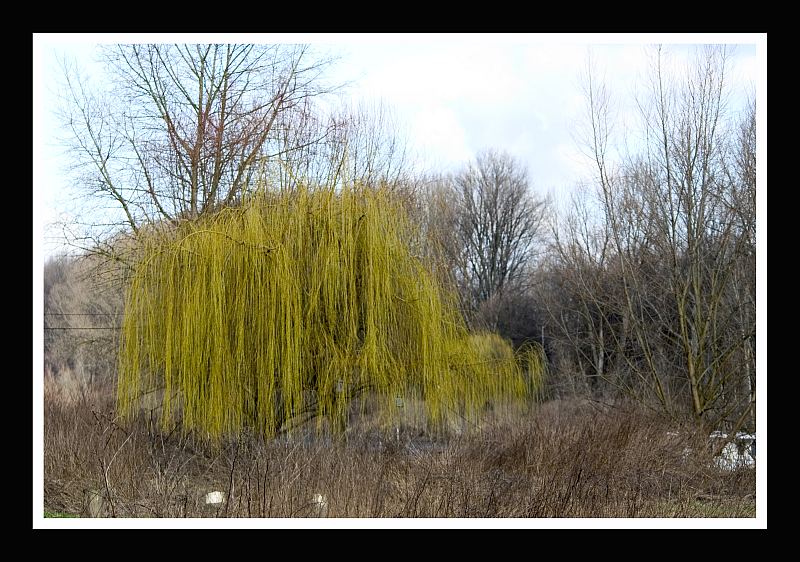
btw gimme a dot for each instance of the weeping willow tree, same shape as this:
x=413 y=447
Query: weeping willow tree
x=291 y=305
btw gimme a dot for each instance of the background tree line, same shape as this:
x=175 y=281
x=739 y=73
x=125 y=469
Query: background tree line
x=642 y=288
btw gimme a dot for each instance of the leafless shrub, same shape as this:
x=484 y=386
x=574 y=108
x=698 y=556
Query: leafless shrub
x=568 y=459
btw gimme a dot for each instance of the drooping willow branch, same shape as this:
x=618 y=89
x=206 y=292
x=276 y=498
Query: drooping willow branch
x=243 y=337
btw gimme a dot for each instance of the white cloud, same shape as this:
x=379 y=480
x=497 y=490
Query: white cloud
x=439 y=136
x=458 y=95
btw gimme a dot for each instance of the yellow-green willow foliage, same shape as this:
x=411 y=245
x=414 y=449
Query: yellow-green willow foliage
x=292 y=304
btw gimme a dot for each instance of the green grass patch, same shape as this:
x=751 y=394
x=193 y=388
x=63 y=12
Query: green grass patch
x=716 y=507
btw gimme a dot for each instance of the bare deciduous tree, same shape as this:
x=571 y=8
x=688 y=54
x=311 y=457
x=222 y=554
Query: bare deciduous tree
x=360 y=144
x=680 y=217
x=577 y=292
x=490 y=221
x=183 y=128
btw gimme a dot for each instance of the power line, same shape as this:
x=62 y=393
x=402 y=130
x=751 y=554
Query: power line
x=79 y=314
x=79 y=328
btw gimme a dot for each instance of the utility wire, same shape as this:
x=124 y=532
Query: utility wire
x=80 y=314
x=79 y=328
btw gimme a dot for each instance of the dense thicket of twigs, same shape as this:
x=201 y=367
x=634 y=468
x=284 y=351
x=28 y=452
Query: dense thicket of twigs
x=567 y=459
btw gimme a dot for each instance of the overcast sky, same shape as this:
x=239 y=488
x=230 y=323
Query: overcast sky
x=453 y=95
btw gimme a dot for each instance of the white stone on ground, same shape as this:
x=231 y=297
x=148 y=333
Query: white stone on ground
x=215 y=498
x=730 y=458
x=320 y=504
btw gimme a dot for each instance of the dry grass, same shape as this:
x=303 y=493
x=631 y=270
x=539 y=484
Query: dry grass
x=563 y=460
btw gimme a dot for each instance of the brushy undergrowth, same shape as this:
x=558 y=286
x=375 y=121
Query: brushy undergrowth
x=559 y=460
x=294 y=303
